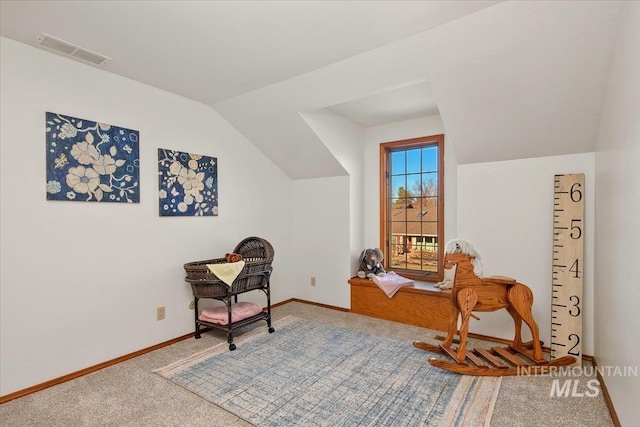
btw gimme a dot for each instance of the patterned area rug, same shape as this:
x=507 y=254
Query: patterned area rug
x=310 y=374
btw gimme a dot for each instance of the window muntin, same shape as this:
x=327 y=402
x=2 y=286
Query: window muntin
x=412 y=200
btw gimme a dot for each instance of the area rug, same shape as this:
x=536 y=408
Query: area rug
x=312 y=374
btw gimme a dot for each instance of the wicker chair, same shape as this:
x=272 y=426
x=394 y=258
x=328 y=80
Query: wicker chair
x=257 y=253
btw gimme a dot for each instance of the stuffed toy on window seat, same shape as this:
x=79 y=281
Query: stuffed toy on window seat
x=371 y=263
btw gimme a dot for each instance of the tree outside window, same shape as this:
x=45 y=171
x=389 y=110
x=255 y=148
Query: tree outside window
x=412 y=200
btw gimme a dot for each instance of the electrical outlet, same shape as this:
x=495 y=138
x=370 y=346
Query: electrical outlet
x=192 y=305
x=160 y=313
x=313 y=281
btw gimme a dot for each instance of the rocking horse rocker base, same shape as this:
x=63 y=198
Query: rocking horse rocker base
x=493 y=362
x=471 y=293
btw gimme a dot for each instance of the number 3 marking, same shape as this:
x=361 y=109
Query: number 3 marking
x=575 y=304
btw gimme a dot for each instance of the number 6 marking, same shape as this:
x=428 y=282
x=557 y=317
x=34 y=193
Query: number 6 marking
x=576 y=191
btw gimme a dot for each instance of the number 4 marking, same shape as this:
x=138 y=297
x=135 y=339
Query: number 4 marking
x=574 y=269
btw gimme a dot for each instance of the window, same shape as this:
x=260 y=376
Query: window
x=412 y=206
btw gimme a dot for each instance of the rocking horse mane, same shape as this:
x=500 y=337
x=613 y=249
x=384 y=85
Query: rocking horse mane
x=459 y=246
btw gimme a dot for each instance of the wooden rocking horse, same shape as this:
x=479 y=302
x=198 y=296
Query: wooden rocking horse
x=471 y=293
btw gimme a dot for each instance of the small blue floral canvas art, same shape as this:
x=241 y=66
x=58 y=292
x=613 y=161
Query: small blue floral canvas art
x=91 y=161
x=188 y=184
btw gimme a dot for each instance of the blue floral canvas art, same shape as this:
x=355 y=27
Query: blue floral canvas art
x=91 y=161
x=188 y=184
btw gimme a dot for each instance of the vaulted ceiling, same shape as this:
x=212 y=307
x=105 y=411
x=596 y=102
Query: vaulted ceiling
x=509 y=79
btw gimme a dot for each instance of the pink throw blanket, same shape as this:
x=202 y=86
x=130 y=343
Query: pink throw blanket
x=390 y=283
x=239 y=311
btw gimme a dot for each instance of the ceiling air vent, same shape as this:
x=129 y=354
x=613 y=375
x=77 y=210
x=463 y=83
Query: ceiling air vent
x=71 y=50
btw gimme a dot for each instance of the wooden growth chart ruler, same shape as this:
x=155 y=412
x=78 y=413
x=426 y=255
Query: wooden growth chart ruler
x=568 y=267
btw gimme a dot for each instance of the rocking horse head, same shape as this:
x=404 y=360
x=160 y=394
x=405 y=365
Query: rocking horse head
x=459 y=246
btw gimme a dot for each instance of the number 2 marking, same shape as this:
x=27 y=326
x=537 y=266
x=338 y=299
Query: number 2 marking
x=571 y=352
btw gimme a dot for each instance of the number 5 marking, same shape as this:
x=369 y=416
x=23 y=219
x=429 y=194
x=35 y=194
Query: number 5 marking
x=575 y=227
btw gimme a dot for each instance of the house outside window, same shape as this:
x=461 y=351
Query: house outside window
x=412 y=206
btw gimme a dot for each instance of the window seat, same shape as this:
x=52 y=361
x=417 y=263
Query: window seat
x=421 y=304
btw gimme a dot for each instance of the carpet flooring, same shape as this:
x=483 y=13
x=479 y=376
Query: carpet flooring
x=313 y=374
x=131 y=394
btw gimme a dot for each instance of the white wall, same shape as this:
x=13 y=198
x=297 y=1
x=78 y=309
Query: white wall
x=617 y=270
x=321 y=242
x=506 y=210
x=415 y=128
x=345 y=140
x=327 y=215
x=80 y=282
